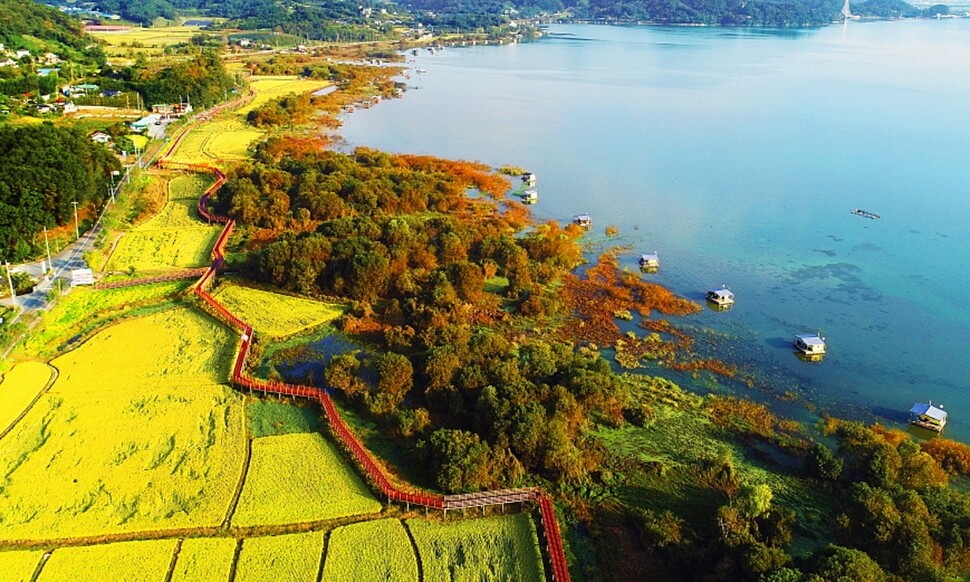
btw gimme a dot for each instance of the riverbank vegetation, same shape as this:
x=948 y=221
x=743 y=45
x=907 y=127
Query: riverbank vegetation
x=482 y=385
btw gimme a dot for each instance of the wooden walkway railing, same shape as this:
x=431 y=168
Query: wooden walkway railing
x=557 y=566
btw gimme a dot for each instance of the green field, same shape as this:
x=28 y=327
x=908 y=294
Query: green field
x=372 y=550
x=488 y=548
x=122 y=562
x=275 y=314
x=204 y=559
x=19 y=566
x=136 y=434
x=85 y=309
x=298 y=478
x=286 y=558
x=270 y=417
x=19 y=387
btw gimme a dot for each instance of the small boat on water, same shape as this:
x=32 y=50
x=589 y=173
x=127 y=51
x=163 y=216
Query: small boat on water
x=864 y=213
x=530 y=196
x=928 y=416
x=812 y=345
x=529 y=178
x=584 y=220
x=650 y=262
x=722 y=297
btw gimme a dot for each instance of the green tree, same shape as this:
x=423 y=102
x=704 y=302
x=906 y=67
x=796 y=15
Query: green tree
x=459 y=460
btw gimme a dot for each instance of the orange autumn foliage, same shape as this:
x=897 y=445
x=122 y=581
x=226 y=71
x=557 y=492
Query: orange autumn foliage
x=742 y=416
x=478 y=175
x=953 y=456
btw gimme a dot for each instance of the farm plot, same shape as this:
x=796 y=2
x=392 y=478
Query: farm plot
x=269 y=87
x=151 y=41
x=270 y=417
x=372 y=550
x=19 y=387
x=229 y=137
x=146 y=561
x=173 y=238
x=137 y=433
x=204 y=559
x=299 y=478
x=225 y=138
x=19 y=566
x=274 y=314
x=183 y=198
x=161 y=249
x=85 y=309
x=284 y=558
x=488 y=548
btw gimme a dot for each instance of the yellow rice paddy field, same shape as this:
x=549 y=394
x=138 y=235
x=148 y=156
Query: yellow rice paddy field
x=84 y=309
x=270 y=87
x=173 y=238
x=229 y=137
x=19 y=566
x=142 y=561
x=225 y=139
x=299 y=478
x=19 y=387
x=204 y=559
x=150 y=41
x=488 y=548
x=275 y=314
x=137 y=433
x=286 y=558
x=150 y=251
x=371 y=550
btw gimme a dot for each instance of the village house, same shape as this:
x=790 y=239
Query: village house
x=100 y=137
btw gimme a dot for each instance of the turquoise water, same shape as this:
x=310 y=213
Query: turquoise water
x=737 y=155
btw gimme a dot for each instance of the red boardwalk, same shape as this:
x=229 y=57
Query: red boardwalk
x=558 y=568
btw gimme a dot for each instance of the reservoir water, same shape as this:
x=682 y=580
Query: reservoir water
x=737 y=154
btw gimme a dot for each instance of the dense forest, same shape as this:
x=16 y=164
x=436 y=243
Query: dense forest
x=23 y=24
x=203 y=80
x=45 y=169
x=484 y=360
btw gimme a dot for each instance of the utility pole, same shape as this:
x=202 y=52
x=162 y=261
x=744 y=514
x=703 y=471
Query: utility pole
x=77 y=230
x=50 y=263
x=13 y=294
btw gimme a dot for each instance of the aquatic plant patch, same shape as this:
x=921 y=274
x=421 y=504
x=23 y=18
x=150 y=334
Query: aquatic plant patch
x=139 y=561
x=298 y=478
x=294 y=557
x=488 y=548
x=136 y=434
x=204 y=559
x=371 y=550
x=275 y=314
x=19 y=387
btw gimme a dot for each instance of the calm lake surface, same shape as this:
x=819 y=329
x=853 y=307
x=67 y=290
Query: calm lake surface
x=737 y=155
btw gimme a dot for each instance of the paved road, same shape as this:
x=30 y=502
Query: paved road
x=71 y=257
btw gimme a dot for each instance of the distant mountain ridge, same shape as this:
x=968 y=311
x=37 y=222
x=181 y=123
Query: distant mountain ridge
x=773 y=13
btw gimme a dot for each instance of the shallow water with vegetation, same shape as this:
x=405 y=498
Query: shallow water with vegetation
x=737 y=154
